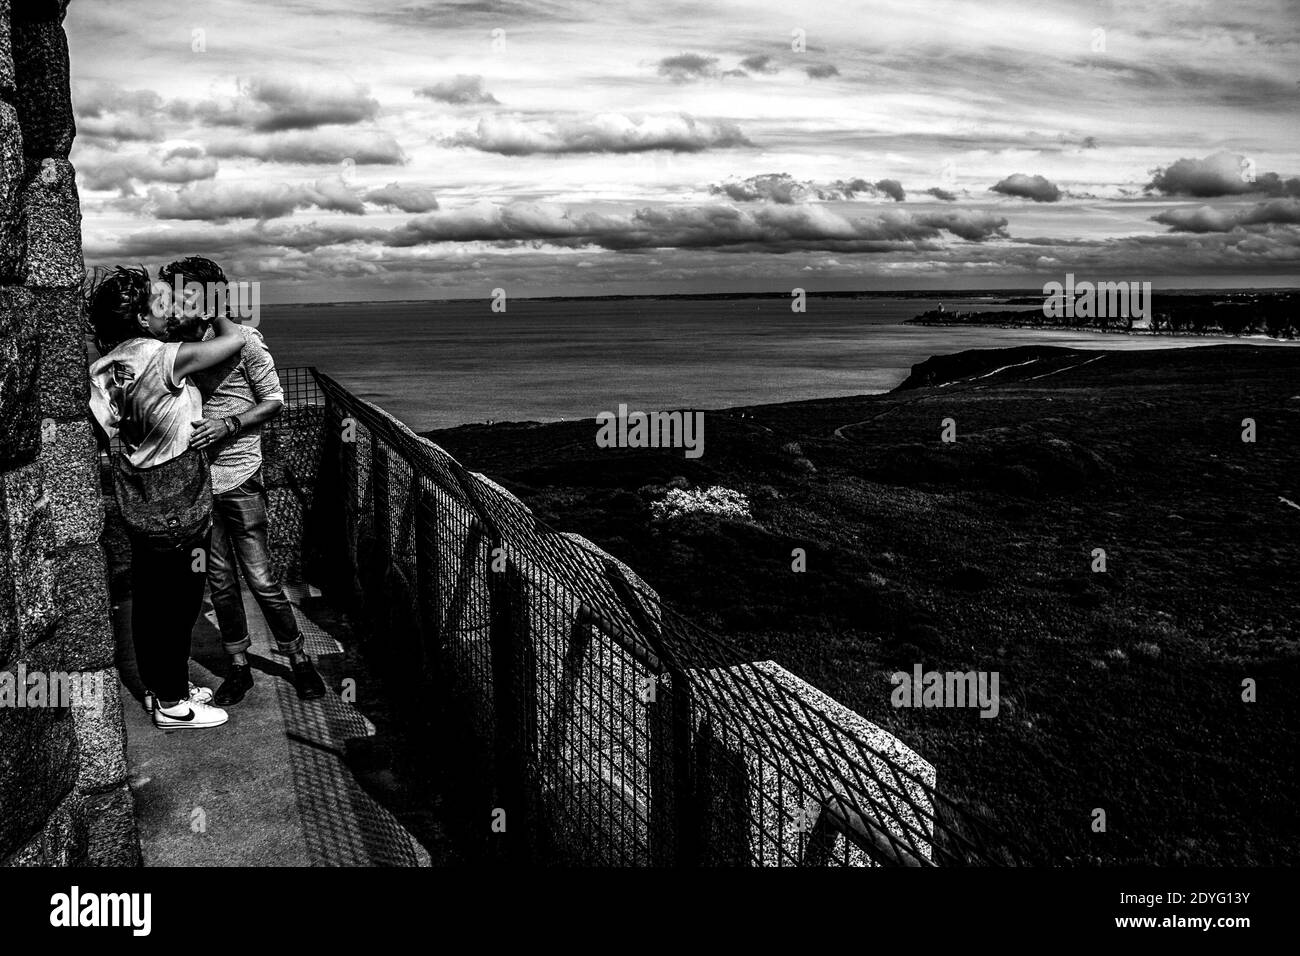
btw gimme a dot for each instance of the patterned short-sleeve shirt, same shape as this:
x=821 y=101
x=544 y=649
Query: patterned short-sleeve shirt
x=232 y=388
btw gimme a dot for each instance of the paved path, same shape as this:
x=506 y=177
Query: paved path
x=270 y=787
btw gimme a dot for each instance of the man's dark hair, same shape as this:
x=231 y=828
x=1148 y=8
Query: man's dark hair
x=114 y=300
x=192 y=269
x=198 y=269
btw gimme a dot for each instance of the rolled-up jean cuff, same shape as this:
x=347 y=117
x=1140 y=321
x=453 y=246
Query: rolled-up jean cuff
x=238 y=647
x=293 y=647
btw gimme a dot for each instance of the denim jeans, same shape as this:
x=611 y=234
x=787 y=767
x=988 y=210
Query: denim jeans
x=239 y=540
x=166 y=597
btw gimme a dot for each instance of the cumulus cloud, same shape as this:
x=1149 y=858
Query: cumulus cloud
x=363 y=147
x=222 y=202
x=1209 y=219
x=461 y=90
x=686 y=67
x=103 y=169
x=892 y=188
x=973 y=225
x=822 y=71
x=108 y=114
x=121 y=128
x=271 y=104
x=267 y=104
x=235 y=239
x=771 y=228
x=1036 y=188
x=719 y=228
x=785 y=189
x=1220 y=174
x=405 y=197
x=939 y=193
x=99 y=98
x=600 y=133
x=106 y=111
x=852 y=188
x=759 y=63
x=772 y=187
x=353 y=247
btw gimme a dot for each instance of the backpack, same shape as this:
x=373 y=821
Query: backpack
x=167 y=505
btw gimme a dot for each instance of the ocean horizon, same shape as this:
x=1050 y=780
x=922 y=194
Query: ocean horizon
x=438 y=363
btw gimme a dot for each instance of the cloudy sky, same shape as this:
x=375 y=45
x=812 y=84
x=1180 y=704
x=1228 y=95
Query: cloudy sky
x=346 y=149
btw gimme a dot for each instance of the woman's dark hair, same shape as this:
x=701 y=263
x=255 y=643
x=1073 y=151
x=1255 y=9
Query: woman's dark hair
x=114 y=301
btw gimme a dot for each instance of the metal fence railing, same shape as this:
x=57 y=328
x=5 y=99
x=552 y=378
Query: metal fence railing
x=300 y=391
x=594 y=723
x=300 y=387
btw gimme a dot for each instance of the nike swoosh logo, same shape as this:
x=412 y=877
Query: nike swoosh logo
x=189 y=715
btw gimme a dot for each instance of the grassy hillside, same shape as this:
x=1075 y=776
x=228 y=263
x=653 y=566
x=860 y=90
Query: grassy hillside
x=1120 y=690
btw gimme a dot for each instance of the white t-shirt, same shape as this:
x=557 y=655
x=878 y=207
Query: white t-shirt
x=134 y=394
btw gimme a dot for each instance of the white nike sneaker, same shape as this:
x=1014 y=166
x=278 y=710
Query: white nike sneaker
x=198 y=695
x=188 y=715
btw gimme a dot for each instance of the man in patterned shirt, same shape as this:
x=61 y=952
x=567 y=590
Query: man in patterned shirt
x=238 y=397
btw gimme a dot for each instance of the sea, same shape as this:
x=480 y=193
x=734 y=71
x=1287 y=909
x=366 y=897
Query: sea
x=438 y=364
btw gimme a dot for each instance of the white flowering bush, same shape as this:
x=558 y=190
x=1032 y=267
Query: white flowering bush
x=716 y=500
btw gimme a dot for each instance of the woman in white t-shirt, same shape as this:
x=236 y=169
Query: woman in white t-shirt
x=140 y=392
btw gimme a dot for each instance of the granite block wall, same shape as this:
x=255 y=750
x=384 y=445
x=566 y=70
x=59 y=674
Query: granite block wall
x=64 y=798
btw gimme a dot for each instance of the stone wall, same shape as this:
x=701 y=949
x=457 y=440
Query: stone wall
x=64 y=798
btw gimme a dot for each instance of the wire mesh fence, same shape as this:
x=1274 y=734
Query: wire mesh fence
x=591 y=723
x=302 y=395
x=300 y=387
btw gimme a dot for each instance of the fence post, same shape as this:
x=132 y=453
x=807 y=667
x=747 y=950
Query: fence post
x=675 y=807
x=339 y=470
x=673 y=819
x=514 y=701
x=428 y=580
x=379 y=497
x=676 y=804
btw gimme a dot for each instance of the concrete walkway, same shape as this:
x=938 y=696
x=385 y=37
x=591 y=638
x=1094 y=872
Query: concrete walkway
x=269 y=788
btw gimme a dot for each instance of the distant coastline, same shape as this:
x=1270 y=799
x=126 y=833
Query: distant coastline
x=995 y=320
x=1258 y=314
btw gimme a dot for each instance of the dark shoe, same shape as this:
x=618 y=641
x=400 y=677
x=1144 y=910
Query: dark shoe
x=234 y=687
x=306 y=681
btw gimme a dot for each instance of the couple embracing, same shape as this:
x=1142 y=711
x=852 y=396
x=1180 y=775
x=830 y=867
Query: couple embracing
x=186 y=391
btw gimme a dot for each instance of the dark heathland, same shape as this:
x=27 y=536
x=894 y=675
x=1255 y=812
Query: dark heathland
x=1121 y=689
